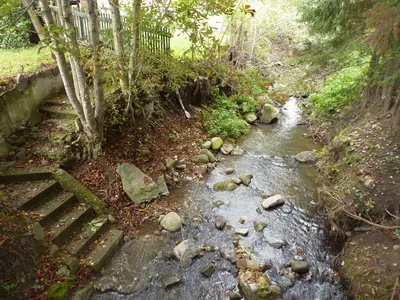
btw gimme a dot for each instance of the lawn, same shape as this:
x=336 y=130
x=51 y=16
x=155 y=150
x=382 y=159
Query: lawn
x=27 y=60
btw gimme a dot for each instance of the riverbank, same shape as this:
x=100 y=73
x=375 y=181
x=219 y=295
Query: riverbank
x=360 y=168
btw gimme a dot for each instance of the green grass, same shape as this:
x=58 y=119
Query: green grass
x=13 y=62
x=180 y=44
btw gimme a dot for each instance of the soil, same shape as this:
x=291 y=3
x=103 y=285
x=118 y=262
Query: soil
x=360 y=150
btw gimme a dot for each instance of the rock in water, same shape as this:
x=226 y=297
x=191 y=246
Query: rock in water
x=209 y=270
x=139 y=187
x=224 y=186
x=226 y=148
x=220 y=222
x=299 y=266
x=262 y=289
x=306 y=157
x=248 y=264
x=218 y=203
x=269 y=113
x=250 y=118
x=236 y=181
x=211 y=157
x=242 y=231
x=277 y=243
x=206 y=145
x=229 y=171
x=170 y=279
x=246 y=178
x=273 y=201
x=200 y=159
x=216 y=143
x=185 y=251
x=259 y=226
x=237 y=151
x=171 y=222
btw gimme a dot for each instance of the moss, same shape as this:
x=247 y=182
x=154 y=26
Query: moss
x=70 y=184
x=58 y=291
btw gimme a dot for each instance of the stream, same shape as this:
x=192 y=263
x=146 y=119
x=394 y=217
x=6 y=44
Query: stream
x=136 y=269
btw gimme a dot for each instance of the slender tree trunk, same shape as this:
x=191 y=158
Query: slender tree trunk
x=94 y=25
x=134 y=53
x=37 y=24
x=369 y=88
x=118 y=42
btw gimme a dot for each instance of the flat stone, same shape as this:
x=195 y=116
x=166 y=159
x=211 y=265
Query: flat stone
x=139 y=187
x=224 y=186
x=200 y=159
x=185 y=251
x=226 y=148
x=220 y=222
x=206 y=145
x=246 y=178
x=299 y=266
x=229 y=171
x=242 y=231
x=259 y=226
x=277 y=243
x=38 y=233
x=248 y=264
x=209 y=270
x=211 y=157
x=171 y=222
x=170 y=280
x=306 y=157
x=273 y=201
x=216 y=143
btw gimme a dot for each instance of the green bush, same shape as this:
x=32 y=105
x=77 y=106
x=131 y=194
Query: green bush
x=17 y=34
x=339 y=90
x=222 y=119
x=245 y=104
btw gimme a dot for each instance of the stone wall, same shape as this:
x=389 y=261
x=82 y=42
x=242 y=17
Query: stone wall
x=17 y=105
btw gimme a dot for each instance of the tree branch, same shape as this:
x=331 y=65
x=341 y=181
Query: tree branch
x=18 y=18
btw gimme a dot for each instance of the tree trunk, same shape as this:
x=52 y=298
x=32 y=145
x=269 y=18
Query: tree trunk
x=118 y=42
x=94 y=24
x=369 y=88
x=134 y=53
x=37 y=24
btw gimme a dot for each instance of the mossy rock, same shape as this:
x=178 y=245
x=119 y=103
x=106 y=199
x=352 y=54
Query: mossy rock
x=224 y=186
x=211 y=157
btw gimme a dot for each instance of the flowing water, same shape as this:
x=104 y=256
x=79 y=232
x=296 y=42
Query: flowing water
x=136 y=270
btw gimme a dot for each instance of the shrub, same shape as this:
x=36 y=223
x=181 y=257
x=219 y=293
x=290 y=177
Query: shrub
x=17 y=34
x=221 y=119
x=339 y=90
x=244 y=104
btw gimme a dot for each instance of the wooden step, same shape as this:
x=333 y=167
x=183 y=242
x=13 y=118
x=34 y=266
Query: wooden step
x=89 y=233
x=72 y=220
x=54 y=206
x=103 y=248
x=50 y=188
x=58 y=112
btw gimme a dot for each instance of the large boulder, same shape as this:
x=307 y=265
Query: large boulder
x=216 y=143
x=224 y=186
x=171 y=222
x=139 y=187
x=250 y=118
x=269 y=113
x=211 y=157
x=306 y=157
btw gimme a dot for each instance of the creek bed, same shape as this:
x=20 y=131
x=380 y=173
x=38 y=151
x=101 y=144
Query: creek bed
x=137 y=269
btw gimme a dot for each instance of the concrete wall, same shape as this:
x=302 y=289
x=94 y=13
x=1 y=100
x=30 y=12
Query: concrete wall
x=16 y=105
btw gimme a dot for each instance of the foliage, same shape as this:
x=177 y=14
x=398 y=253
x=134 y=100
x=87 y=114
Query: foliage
x=16 y=34
x=339 y=90
x=222 y=118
